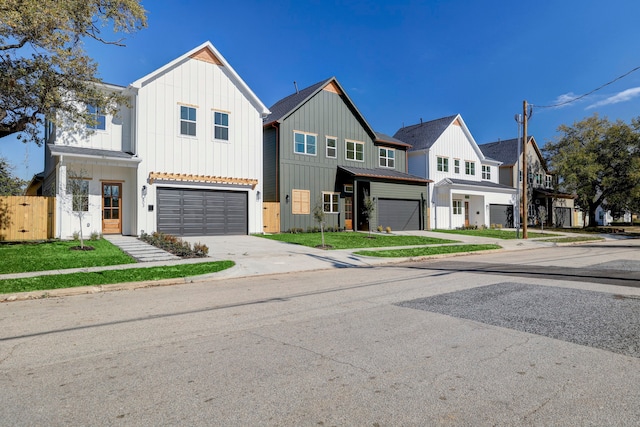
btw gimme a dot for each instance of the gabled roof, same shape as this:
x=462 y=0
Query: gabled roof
x=208 y=53
x=380 y=173
x=389 y=140
x=423 y=135
x=506 y=151
x=288 y=105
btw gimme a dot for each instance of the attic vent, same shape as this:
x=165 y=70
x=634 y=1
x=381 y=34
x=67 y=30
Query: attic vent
x=206 y=55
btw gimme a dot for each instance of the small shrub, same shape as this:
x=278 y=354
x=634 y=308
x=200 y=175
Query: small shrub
x=95 y=236
x=75 y=235
x=175 y=245
x=388 y=230
x=200 y=249
x=380 y=228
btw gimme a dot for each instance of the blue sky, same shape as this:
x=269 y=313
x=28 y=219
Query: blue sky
x=404 y=60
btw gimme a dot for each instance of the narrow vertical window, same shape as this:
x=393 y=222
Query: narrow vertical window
x=187 y=121
x=456 y=165
x=332 y=147
x=221 y=126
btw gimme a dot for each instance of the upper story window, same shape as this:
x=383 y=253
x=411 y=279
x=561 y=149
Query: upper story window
x=486 y=172
x=548 y=181
x=332 y=147
x=187 y=120
x=443 y=164
x=456 y=165
x=470 y=168
x=221 y=125
x=387 y=158
x=98 y=118
x=355 y=151
x=539 y=179
x=330 y=202
x=304 y=143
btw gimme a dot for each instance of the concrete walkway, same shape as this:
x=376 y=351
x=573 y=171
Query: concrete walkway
x=139 y=250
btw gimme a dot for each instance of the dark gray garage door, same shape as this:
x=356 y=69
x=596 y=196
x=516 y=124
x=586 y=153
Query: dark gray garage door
x=399 y=214
x=562 y=217
x=501 y=214
x=201 y=212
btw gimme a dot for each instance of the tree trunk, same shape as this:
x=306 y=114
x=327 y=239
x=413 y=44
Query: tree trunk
x=592 y=215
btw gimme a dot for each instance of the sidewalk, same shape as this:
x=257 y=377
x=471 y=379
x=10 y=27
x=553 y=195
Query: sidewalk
x=255 y=256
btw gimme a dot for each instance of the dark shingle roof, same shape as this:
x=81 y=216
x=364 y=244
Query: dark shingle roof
x=389 y=140
x=67 y=149
x=423 y=135
x=505 y=151
x=383 y=174
x=285 y=105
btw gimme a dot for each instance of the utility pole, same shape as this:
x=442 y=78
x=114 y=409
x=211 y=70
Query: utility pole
x=525 y=207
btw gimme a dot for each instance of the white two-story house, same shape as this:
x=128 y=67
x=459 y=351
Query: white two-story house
x=466 y=191
x=184 y=156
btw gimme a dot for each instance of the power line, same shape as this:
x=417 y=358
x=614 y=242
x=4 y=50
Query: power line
x=588 y=93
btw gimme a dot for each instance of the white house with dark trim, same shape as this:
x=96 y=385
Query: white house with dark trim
x=466 y=190
x=183 y=157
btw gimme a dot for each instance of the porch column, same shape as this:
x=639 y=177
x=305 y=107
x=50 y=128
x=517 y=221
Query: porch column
x=450 y=209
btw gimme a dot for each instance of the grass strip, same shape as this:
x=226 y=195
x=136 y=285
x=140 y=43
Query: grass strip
x=433 y=250
x=23 y=257
x=354 y=240
x=107 y=277
x=496 y=234
x=572 y=239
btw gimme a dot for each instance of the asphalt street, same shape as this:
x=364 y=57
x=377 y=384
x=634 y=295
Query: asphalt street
x=538 y=337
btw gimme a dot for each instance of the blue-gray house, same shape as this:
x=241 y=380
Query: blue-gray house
x=319 y=151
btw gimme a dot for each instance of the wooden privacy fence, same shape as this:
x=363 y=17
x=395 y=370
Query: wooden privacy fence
x=27 y=218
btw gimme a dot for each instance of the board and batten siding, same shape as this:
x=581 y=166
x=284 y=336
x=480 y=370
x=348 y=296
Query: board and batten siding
x=454 y=144
x=270 y=165
x=207 y=87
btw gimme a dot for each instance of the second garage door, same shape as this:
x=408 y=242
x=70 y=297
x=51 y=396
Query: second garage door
x=399 y=214
x=501 y=214
x=186 y=212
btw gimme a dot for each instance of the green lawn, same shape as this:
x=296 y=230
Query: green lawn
x=496 y=234
x=351 y=240
x=73 y=280
x=432 y=250
x=23 y=257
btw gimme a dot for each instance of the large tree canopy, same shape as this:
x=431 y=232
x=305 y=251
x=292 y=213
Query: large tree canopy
x=599 y=161
x=43 y=65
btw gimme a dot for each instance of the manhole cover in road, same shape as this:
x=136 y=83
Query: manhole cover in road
x=619 y=264
x=596 y=319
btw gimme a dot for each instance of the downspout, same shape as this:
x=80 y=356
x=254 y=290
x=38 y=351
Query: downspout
x=277 y=128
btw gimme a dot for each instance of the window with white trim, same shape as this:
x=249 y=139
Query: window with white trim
x=387 y=157
x=330 y=202
x=97 y=117
x=548 y=181
x=456 y=165
x=469 y=168
x=221 y=126
x=348 y=188
x=79 y=190
x=443 y=164
x=332 y=147
x=486 y=172
x=304 y=143
x=457 y=207
x=355 y=151
x=187 y=120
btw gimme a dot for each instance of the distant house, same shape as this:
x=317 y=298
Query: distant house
x=466 y=190
x=320 y=152
x=183 y=156
x=545 y=204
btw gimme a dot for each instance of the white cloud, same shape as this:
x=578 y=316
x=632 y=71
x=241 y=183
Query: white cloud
x=564 y=100
x=625 y=95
